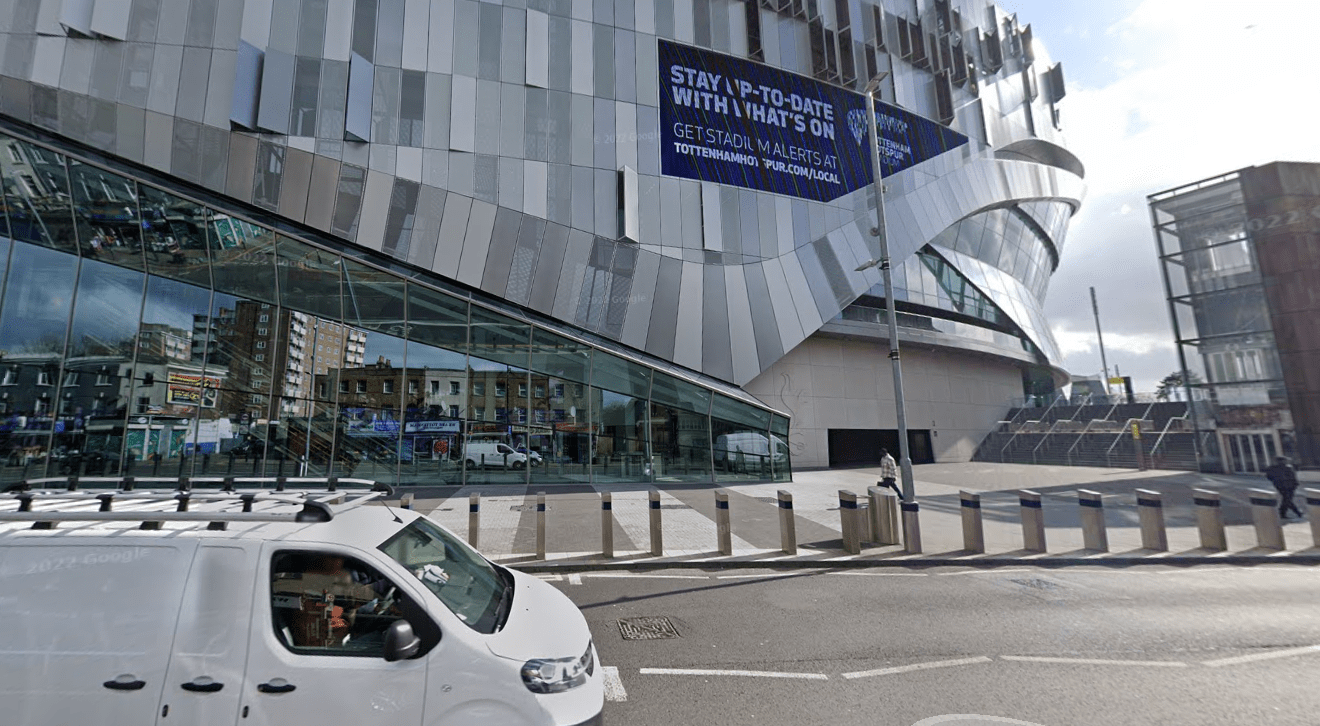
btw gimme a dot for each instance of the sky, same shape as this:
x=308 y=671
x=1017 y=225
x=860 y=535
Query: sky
x=1162 y=93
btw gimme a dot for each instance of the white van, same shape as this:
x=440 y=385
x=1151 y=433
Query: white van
x=264 y=607
x=493 y=453
x=746 y=450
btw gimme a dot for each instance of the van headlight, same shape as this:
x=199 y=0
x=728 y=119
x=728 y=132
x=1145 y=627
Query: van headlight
x=556 y=675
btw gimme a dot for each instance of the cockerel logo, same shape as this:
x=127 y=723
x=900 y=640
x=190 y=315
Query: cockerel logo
x=857 y=124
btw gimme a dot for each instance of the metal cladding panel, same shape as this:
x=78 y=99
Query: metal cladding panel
x=476 y=243
x=687 y=340
x=499 y=257
x=549 y=266
x=110 y=18
x=716 y=356
x=296 y=184
x=276 y=92
x=641 y=298
x=664 y=311
x=361 y=83
x=321 y=193
x=769 y=344
x=426 y=232
x=453 y=226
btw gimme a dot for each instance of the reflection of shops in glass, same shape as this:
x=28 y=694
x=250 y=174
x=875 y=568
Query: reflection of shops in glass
x=573 y=442
x=435 y=440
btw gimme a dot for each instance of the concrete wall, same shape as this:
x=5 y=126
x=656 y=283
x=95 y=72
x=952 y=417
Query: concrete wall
x=829 y=383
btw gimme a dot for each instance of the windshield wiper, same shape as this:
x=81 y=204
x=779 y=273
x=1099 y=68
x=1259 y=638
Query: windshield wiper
x=506 y=600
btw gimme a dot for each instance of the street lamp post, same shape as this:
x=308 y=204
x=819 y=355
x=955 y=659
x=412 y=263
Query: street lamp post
x=905 y=461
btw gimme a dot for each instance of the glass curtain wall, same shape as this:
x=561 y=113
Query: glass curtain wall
x=146 y=334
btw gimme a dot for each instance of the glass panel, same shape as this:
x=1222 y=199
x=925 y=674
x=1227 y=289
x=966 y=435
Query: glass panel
x=175 y=236
x=243 y=343
x=308 y=278
x=616 y=374
x=558 y=403
x=243 y=260
x=90 y=428
x=37 y=187
x=498 y=400
x=743 y=448
x=108 y=219
x=435 y=388
x=620 y=421
x=779 y=430
x=33 y=323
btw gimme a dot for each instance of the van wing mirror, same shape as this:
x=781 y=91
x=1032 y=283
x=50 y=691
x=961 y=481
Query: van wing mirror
x=401 y=642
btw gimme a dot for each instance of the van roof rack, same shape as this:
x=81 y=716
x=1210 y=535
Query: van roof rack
x=46 y=506
x=187 y=483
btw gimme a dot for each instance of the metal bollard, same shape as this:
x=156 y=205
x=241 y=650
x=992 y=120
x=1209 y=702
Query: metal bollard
x=606 y=525
x=884 y=516
x=1150 y=510
x=973 y=528
x=405 y=501
x=723 y=530
x=540 y=525
x=1094 y=536
x=474 y=520
x=1209 y=520
x=1313 y=510
x=787 y=525
x=657 y=533
x=1033 y=521
x=852 y=535
x=1265 y=515
x=911 y=528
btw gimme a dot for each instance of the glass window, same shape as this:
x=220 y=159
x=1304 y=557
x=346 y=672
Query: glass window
x=473 y=589
x=37 y=186
x=328 y=604
x=308 y=279
x=106 y=209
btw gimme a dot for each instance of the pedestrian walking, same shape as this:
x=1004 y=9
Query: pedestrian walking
x=889 y=472
x=1284 y=478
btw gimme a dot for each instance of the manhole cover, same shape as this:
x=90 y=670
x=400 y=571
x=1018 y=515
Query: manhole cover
x=674 y=506
x=527 y=508
x=1037 y=584
x=767 y=500
x=647 y=628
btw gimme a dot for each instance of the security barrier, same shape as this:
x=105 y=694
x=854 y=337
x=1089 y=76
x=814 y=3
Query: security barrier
x=474 y=520
x=723 y=529
x=1265 y=515
x=1313 y=512
x=972 y=526
x=787 y=523
x=1033 y=521
x=606 y=525
x=1150 y=511
x=884 y=516
x=1094 y=535
x=850 y=522
x=657 y=533
x=911 y=527
x=1209 y=520
x=540 y=525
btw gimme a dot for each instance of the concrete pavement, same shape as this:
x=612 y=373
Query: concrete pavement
x=573 y=520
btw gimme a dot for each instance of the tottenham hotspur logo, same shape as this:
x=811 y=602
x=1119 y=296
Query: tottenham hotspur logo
x=857 y=124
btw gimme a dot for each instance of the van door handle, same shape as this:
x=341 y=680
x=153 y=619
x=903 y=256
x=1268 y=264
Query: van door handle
x=125 y=682
x=202 y=685
x=277 y=685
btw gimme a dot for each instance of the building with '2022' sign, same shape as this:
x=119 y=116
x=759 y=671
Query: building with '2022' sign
x=354 y=236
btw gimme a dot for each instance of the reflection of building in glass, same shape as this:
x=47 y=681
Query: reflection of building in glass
x=478 y=229
x=1240 y=281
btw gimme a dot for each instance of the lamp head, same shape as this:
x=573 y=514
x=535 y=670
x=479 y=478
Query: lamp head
x=874 y=84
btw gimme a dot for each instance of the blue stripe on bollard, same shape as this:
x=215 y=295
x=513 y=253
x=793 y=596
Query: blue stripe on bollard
x=1313 y=501
x=970 y=503
x=474 y=508
x=1263 y=502
x=540 y=507
x=1096 y=503
x=785 y=504
x=843 y=504
x=1149 y=502
x=1205 y=502
x=606 y=505
x=908 y=506
x=1030 y=503
x=655 y=504
x=719 y=504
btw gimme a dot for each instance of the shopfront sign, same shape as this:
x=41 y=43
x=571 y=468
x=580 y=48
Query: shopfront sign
x=732 y=121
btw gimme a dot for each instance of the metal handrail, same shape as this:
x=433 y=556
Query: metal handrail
x=1127 y=427
x=1010 y=440
x=1160 y=440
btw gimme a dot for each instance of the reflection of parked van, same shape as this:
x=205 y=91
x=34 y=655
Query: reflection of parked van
x=754 y=448
x=495 y=453
x=268 y=607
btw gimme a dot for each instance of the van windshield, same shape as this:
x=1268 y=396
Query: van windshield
x=463 y=580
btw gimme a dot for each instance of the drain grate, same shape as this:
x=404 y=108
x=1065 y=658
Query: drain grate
x=1036 y=583
x=527 y=508
x=647 y=628
x=674 y=506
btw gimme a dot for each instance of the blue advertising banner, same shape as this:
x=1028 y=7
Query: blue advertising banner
x=732 y=121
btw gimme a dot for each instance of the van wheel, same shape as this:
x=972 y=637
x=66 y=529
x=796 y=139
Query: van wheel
x=519 y=465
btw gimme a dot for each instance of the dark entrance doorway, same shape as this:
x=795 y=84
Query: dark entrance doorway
x=861 y=447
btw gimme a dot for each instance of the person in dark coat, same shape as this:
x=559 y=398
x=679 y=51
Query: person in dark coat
x=1284 y=478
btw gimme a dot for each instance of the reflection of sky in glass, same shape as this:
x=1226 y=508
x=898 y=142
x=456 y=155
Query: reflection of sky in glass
x=1011 y=296
x=37 y=309
x=105 y=315
x=425 y=356
x=174 y=303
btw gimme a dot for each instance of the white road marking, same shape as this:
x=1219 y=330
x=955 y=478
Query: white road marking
x=918 y=667
x=880 y=574
x=626 y=575
x=1094 y=661
x=1287 y=652
x=574 y=579
x=991 y=571
x=548 y=577
x=764 y=574
x=718 y=672
x=614 y=690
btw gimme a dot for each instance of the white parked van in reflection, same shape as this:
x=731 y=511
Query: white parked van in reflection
x=260 y=607
x=748 y=450
x=480 y=453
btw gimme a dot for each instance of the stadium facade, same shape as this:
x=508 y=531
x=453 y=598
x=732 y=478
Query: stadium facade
x=349 y=237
